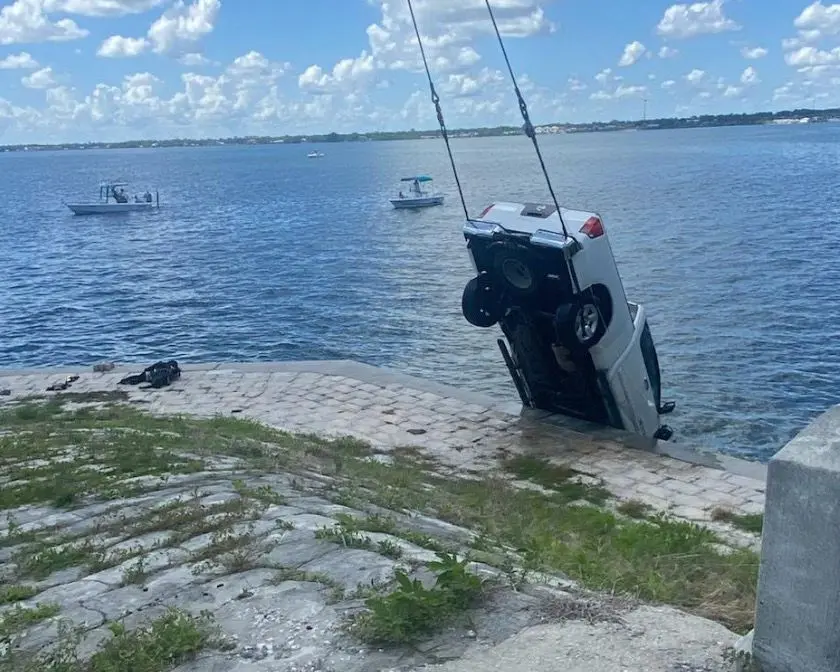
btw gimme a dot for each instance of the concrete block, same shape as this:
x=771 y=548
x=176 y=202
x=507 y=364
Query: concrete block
x=798 y=611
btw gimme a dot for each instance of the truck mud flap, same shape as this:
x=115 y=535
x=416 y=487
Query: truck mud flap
x=514 y=374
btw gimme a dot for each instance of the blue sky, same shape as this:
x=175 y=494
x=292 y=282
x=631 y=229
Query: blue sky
x=124 y=69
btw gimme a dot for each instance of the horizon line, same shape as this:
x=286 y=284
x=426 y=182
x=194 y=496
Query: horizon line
x=756 y=116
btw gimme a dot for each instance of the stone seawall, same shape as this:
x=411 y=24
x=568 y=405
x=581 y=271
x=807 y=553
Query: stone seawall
x=465 y=431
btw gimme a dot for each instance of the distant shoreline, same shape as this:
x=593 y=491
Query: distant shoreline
x=786 y=117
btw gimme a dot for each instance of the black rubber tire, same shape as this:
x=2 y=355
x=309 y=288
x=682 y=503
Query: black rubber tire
x=570 y=318
x=514 y=266
x=479 y=303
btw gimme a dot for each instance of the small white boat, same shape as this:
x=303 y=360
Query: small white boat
x=417 y=197
x=113 y=199
x=314 y=155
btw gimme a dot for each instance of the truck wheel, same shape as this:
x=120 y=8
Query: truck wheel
x=479 y=303
x=580 y=324
x=515 y=267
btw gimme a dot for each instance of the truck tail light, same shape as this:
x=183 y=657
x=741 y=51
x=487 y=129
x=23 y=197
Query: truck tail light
x=593 y=227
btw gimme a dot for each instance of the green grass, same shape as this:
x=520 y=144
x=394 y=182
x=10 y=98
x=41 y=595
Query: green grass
x=10 y=593
x=412 y=611
x=633 y=508
x=750 y=522
x=19 y=618
x=554 y=477
x=564 y=529
x=657 y=559
x=160 y=646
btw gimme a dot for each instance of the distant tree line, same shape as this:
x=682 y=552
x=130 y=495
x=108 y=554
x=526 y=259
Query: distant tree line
x=706 y=120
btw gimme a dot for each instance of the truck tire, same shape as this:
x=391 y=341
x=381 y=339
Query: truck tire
x=580 y=325
x=479 y=303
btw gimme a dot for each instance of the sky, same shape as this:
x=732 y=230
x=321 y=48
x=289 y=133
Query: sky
x=110 y=70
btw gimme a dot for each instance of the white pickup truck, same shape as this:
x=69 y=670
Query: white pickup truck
x=575 y=345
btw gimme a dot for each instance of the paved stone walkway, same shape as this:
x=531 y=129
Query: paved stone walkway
x=466 y=433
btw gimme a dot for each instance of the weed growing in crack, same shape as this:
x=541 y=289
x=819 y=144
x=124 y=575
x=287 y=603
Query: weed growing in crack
x=345 y=532
x=557 y=478
x=137 y=573
x=230 y=550
x=412 y=610
x=43 y=560
x=634 y=508
x=10 y=593
x=337 y=591
x=748 y=522
x=348 y=532
x=263 y=493
x=15 y=535
x=378 y=523
x=18 y=618
x=389 y=549
x=164 y=643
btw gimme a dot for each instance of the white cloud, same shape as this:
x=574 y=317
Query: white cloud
x=604 y=76
x=183 y=24
x=783 y=92
x=815 y=23
x=194 y=59
x=667 y=52
x=118 y=46
x=620 y=91
x=668 y=84
x=749 y=76
x=630 y=91
x=821 y=19
x=699 y=18
x=100 y=7
x=462 y=85
x=811 y=56
x=695 y=76
x=21 y=61
x=244 y=90
x=732 y=91
x=576 y=85
x=179 y=27
x=346 y=73
x=25 y=21
x=449 y=31
x=40 y=79
x=753 y=53
x=632 y=53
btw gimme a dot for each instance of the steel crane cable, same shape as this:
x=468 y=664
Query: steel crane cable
x=531 y=133
x=436 y=101
x=523 y=108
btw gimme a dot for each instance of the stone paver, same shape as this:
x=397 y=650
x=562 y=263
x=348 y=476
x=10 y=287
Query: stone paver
x=462 y=436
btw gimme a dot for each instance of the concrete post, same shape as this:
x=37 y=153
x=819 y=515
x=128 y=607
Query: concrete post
x=797 y=626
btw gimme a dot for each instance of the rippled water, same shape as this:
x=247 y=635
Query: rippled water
x=727 y=236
